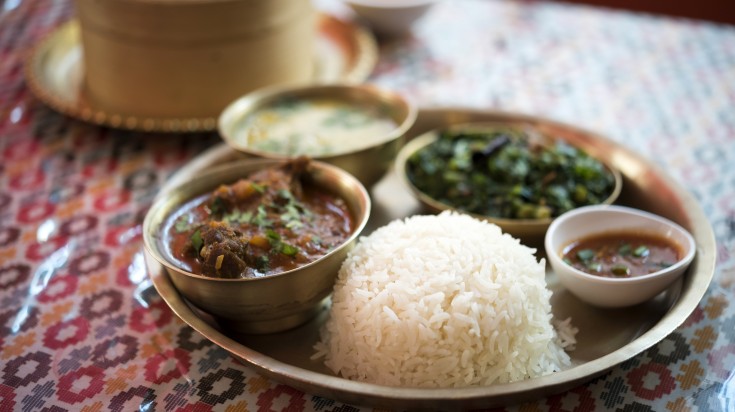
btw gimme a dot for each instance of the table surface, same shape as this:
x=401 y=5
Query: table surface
x=81 y=328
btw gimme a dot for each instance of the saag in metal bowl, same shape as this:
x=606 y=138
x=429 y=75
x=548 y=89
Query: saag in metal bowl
x=511 y=175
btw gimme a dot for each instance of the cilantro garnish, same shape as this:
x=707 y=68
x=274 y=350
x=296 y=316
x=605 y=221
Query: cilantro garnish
x=279 y=245
x=196 y=240
x=182 y=224
x=292 y=217
x=261 y=217
x=295 y=212
x=237 y=216
x=259 y=187
x=217 y=206
x=289 y=250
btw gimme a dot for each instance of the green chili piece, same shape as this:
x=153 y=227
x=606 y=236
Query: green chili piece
x=594 y=266
x=585 y=255
x=625 y=249
x=289 y=250
x=641 y=251
x=196 y=241
x=620 y=270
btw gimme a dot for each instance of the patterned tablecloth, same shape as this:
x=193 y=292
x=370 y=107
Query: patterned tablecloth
x=82 y=329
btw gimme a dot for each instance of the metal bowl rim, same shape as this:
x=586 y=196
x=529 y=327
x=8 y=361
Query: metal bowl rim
x=251 y=102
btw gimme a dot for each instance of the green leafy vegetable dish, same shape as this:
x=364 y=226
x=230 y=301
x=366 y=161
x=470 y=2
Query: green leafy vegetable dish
x=508 y=173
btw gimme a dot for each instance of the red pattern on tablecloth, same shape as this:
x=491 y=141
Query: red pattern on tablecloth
x=81 y=328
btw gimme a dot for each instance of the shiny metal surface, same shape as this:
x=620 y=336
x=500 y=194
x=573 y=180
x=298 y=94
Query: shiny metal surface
x=270 y=303
x=345 y=52
x=531 y=231
x=368 y=164
x=606 y=337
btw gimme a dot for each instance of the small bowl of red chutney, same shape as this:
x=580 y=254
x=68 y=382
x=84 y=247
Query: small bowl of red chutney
x=617 y=256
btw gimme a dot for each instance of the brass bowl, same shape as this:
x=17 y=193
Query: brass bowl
x=530 y=231
x=271 y=303
x=368 y=164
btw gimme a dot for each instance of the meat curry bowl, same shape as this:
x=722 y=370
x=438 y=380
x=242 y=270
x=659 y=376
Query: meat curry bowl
x=258 y=243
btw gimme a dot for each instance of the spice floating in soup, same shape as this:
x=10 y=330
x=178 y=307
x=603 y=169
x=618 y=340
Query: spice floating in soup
x=270 y=222
x=315 y=127
x=622 y=254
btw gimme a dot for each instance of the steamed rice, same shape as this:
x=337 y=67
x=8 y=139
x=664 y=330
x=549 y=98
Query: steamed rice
x=441 y=301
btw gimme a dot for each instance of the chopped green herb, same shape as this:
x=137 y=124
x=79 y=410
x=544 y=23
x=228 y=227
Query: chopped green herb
x=292 y=217
x=196 y=240
x=289 y=250
x=272 y=236
x=236 y=216
x=262 y=262
x=279 y=245
x=260 y=188
x=261 y=218
x=217 y=206
x=182 y=223
x=285 y=194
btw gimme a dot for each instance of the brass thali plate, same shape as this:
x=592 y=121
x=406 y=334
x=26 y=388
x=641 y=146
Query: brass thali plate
x=606 y=337
x=345 y=53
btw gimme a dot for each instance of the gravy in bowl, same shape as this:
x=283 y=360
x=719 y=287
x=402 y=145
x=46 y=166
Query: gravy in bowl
x=267 y=223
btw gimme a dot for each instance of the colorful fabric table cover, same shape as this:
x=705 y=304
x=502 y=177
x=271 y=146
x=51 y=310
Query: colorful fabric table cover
x=81 y=328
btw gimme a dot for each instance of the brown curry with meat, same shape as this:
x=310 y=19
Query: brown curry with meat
x=270 y=222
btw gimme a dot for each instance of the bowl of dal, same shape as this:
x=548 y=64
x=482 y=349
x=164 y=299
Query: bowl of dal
x=508 y=174
x=359 y=128
x=257 y=243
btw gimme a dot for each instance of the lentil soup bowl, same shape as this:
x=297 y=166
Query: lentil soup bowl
x=359 y=128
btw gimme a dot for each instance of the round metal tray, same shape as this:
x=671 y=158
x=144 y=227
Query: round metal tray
x=606 y=337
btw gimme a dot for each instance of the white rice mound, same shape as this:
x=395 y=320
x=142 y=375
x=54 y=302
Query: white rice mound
x=441 y=301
